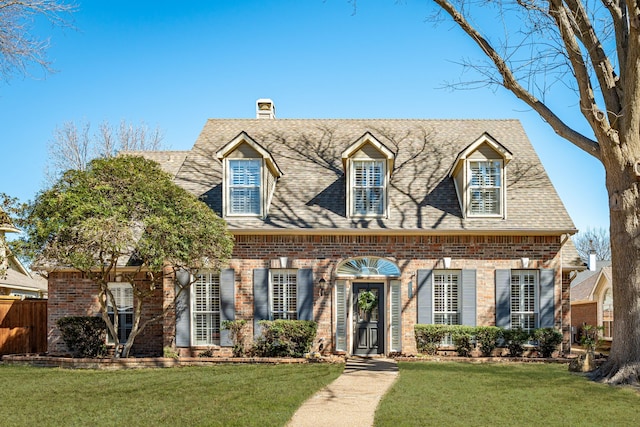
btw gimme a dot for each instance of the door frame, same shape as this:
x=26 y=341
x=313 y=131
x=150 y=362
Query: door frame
x=382 y=284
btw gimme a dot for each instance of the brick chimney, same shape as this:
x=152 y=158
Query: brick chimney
x=265 y=109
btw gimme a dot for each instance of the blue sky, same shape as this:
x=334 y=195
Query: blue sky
x=173 y=65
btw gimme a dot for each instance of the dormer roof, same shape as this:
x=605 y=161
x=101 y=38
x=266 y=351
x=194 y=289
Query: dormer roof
x=484 y=139
x=244 y=138
x=368 y=139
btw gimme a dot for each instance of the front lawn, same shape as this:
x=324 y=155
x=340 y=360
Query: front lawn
x=222 y=395
x=467 y=394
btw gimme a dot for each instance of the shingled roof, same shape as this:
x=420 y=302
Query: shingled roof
x=310 y=196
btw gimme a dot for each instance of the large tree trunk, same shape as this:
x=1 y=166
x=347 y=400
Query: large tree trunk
x=623 y=365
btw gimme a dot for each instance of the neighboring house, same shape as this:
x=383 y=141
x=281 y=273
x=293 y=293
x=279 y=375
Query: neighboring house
x=443 y=221
x=15 y=279
x=592 y=300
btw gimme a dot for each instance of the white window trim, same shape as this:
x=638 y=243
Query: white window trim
x=122 y=311
x=288 y=314
x=447 y=313
x=194 y=312
x=227 y=199
x=536 y=297
x=351 y=197
x=502 y=191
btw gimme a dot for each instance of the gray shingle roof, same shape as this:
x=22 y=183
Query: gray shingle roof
x=311 y=193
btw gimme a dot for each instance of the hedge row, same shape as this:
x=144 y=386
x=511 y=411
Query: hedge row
x=429 y=339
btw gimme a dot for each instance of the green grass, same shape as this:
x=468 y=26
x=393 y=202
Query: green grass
x=456 y=394
x=222 y=395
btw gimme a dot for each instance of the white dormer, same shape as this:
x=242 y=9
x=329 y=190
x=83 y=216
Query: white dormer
x=249 y=177
x=368 y=164
x=479 y=175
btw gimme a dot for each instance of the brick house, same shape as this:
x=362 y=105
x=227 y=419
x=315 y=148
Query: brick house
x=442 y=221
x=592 y=300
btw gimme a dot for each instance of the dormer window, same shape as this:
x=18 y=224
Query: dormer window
x=478 y=175
x=250 y=175
x=485 y=187
x=244 y=187
x=368 y=165
x=368 y=187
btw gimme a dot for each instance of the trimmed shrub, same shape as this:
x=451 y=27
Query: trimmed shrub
x=237 y=332
x=285 y=338
x=487 y=337
x=429 y=337
x=548 y=340
x=84 y=335
x=462 y=337
x=515 y=340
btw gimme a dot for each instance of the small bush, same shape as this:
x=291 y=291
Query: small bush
x=548 y=340
x=590 y=337
x=429 y=337
x=462 y=337
x=285 y=338
x=236 y=329
x=487 y=337
x=84 y=335
x=515 y=340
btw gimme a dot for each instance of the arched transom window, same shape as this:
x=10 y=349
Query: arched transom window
x=368 y=266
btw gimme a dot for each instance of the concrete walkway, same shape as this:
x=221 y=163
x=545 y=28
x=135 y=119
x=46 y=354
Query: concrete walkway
x=351 y=400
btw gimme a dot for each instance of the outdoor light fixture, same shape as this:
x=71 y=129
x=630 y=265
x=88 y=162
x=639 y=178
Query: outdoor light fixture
x=322 y=284
x=283 y=261
x=447 y=262
x=525 y=262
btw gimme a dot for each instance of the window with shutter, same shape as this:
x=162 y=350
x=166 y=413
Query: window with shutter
x=485 y=188
x=524 y=285
x=244 y=187
x=341 y=315
x=284 y=294
x=446 y=298
x=396 y=316
x=205 y=298
x=368 y=187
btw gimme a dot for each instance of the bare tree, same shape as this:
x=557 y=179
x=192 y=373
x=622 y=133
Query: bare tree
x=73 y=146
x=593 y=239
x=592 y=48
x=18 y=47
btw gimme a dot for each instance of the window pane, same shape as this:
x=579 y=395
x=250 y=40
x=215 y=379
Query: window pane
x=206 y=309
x=445 y=299
x=485 y=187
x=284 y=294
x=523 y=299
x=244 y=186
x=368 y=188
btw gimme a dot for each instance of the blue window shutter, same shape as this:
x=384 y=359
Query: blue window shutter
x=341 y=315
x=503 y=298
x=304 y=297
x=396 y=316
x=183 y=318
x=260 y=298
x=468 y=280
x=547 y=306
x=425 y=297
x=227 y=303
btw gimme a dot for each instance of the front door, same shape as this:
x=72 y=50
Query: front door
x=368 y=309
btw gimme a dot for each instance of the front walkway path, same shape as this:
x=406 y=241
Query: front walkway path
x=351 y=400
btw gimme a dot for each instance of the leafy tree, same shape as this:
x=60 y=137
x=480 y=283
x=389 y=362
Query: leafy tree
x=123 y=211
x=596 y=239
x=18 y=48
x=73 y=145
x=591 y=48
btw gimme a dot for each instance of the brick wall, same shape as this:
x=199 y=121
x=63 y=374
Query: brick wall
x=583 y=314
x=72 y=294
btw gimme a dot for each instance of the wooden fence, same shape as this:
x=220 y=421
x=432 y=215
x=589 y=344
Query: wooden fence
x=23 y=326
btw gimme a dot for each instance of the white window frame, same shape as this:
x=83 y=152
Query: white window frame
x=205 y=310
x=368 y=185
x=607 y=318
x=484 y=186
x=446 y=301
x=525 y=289
x=283 y=294
x=123 y=294
x=253 y=187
